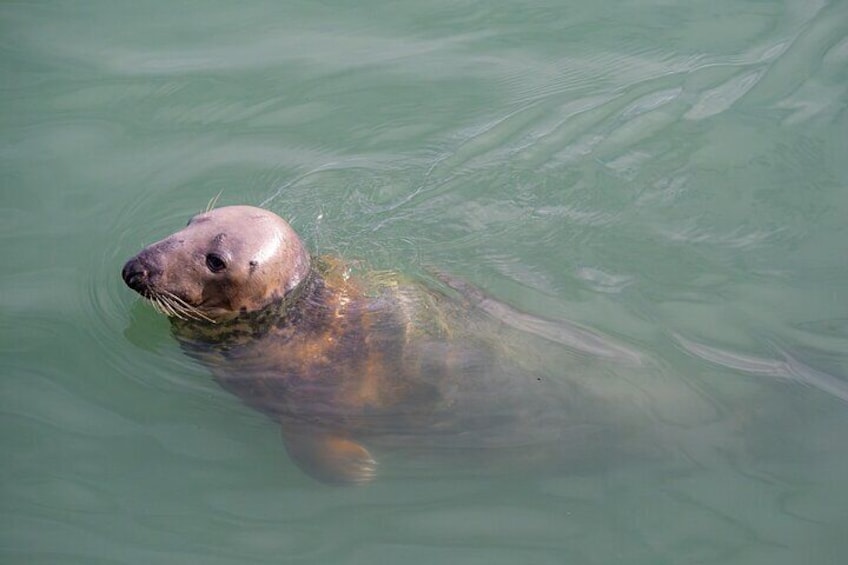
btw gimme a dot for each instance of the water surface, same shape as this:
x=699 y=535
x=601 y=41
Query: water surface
x=669 y=174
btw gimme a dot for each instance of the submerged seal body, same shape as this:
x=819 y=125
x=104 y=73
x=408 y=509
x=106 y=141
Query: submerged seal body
x=342 y=361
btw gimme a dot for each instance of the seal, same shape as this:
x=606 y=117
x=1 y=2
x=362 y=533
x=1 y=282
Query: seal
x=342 y=360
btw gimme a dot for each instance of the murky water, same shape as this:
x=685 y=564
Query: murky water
x=671 y=175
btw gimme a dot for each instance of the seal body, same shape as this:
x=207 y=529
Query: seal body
x=343 y=361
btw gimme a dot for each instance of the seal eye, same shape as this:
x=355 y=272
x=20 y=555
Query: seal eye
x=215 y=263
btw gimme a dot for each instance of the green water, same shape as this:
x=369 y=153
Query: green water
x=670 y=174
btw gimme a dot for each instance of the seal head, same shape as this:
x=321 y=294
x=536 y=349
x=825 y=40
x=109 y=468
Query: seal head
x=225 y=262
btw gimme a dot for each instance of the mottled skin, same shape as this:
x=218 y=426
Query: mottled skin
x=339 y=360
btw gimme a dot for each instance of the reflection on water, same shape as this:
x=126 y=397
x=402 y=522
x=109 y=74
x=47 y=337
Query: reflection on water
x=668 y=175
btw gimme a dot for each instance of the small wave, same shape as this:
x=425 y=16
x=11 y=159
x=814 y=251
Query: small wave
x=788 y=368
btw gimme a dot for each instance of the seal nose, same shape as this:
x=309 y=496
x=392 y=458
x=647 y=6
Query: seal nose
x=135 y=275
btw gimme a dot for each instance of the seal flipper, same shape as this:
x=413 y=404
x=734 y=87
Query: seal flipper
x=329 y=458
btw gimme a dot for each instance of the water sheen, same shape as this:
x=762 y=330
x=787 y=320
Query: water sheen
x=670 y=175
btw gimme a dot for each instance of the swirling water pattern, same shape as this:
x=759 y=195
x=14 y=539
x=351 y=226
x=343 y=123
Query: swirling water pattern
x=671 y=174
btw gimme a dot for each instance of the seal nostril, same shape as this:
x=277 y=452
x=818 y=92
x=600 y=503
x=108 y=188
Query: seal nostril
x=135 y=275
x=135 y=280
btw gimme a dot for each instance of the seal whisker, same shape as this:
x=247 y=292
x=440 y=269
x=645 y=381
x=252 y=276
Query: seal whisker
x=185 y=312
x=188 y=310
x=167 y=299
x=213 y=201
x=180 y=311
x=185 y=308
x=155 y=303
x=174 y=309
x=166 y=306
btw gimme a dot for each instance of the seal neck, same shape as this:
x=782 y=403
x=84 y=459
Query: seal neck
x=245 y=326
